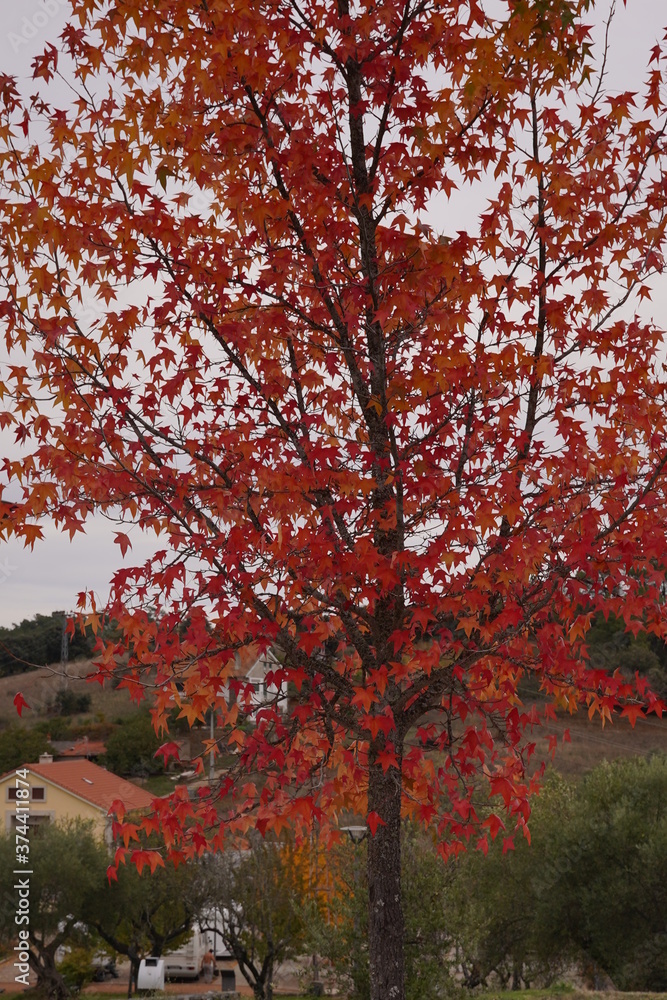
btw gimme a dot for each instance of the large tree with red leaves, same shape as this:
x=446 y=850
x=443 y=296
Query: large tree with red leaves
x=414 y=455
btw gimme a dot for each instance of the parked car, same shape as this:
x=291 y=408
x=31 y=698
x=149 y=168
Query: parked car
x=105 y=968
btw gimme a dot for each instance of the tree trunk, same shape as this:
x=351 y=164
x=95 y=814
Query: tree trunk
x=263 y=987
x=135 y=962
x=49 y=981
x=385 y=914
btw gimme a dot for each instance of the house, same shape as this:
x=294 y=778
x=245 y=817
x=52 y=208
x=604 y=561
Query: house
x=253 y=667
x=69 y=789
x=85 y=747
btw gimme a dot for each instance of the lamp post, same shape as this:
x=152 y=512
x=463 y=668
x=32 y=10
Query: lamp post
x=357 y=835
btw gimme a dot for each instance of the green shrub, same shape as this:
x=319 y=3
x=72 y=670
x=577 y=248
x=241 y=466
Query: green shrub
x=131 y=748
x=19 y=745
x=77 y=968
x=590 y=890
x=70 y=703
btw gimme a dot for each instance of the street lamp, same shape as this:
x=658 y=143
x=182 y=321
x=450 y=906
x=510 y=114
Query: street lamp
x=356 y=833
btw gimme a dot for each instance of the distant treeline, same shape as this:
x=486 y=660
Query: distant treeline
x=37 y=642
x=611 y=647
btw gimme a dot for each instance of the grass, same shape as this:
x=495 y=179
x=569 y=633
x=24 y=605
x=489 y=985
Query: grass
x=122 y=994
x=160 y=784
x=560 y=990
x=557 y=990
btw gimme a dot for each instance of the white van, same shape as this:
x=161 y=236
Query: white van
x=212 y=920
x=185 y=962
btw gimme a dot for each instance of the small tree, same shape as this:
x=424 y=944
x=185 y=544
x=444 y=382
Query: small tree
x=601 y=895
x=67 y=872
x=144 y=914
x=68 y=702
x=258 y=895
x=131 y=748
x=77 y=967
x=589 y=890
x=493 y=906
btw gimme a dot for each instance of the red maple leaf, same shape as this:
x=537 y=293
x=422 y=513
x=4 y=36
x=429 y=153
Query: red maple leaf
x=20 y=703
x=374 y=820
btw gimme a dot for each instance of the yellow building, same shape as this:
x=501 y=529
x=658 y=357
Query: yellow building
x=65 y=790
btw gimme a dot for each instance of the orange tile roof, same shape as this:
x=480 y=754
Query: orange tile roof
x=85 y=747
x=93 y=783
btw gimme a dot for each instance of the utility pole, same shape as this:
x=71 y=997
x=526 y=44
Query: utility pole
x=64 y=654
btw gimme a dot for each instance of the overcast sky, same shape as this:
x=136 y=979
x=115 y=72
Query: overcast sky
x=49 y=578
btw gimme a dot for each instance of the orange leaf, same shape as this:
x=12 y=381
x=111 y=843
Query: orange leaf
x=633 y=712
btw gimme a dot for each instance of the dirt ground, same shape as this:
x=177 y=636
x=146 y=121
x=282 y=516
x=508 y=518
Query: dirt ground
x=39 y=688
x=590 y=743
x=286 y=981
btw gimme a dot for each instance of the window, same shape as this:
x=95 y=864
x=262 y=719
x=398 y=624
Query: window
x=260 y=689
x=36 y=794
x=34 y=821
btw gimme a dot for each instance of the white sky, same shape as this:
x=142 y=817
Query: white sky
x=50 y=577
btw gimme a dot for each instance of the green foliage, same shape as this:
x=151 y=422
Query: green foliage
x=72 y=901
x=606 y=877
x=19 y=745
x=58 y=727
x=592 y=889
x=67 y=864
x=77 y=967
x=131 y=748
x=493 y=902
x=55 y=728
x=144 y=914
x=70 y=703
x=36 y=642
x=610 y=647
x=426 y=885
x=259 y=894
x=340 y=934
x=67 y=870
